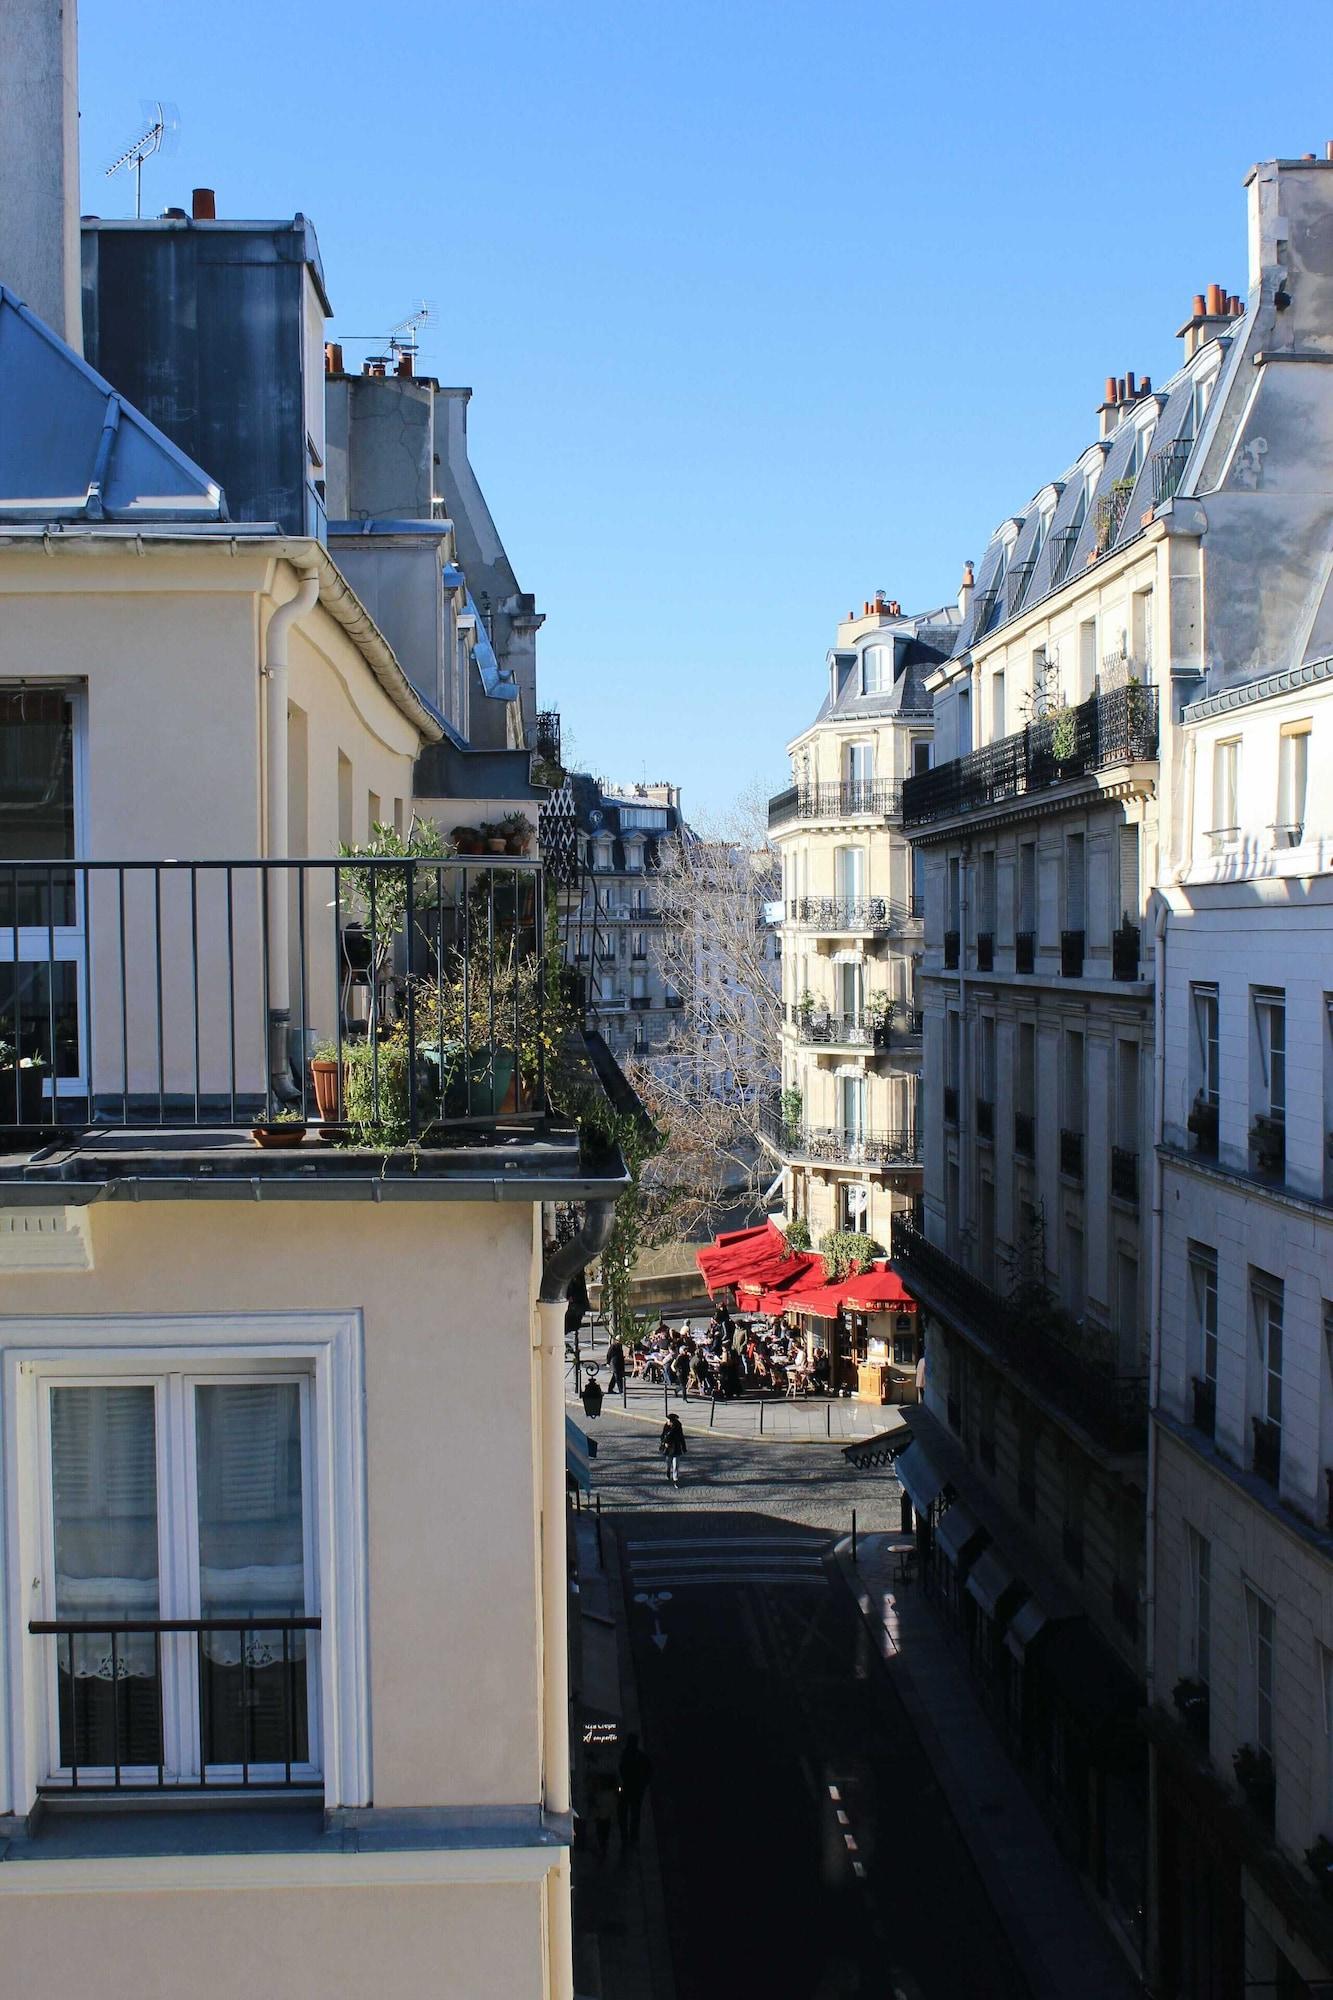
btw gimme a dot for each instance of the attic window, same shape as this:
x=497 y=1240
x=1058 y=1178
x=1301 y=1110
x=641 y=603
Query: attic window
x=876 y=669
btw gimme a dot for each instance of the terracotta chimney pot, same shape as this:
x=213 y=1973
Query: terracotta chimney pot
x=1200 y=305
x=1216 y=301
x=1110 y=390
x=1132 y=391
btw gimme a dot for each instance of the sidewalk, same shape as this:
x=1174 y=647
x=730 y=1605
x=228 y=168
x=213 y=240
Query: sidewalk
x=621 y=1948
x=1060 y=1941
x=812 y=1420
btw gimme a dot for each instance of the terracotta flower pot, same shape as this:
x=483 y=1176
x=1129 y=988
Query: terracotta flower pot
x=324 y=1077
x=499 y=846
x=277 y=1136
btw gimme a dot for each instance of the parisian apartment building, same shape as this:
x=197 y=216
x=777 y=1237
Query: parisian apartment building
x=1121 y=1257
x=844 y=1127
x=285 y=1680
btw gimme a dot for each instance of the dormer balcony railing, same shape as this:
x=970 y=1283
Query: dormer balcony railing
x=983 y=611
x=1063 y=544
x=193 y=994
x=833 y=914
x=1168 y=469
x=1108 y=730
x=1016 y=586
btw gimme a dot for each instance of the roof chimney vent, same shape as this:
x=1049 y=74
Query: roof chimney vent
x=203 y=205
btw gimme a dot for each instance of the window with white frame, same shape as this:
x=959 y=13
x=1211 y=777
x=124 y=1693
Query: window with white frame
x=189 y=1522
x=1270 y=1049
x=1204 y=1047
x=1198 y=1634
x=876 y=669
x=1257 y=1727
x=1293 y=770
x=180 y=1499
x=1203 y=1314
x=1266 y=1315
x=1226 y=791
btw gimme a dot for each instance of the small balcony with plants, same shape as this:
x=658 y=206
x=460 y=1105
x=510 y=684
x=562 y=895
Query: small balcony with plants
x=1268 y=1146
x=1257 y=1781
x=1201 y=1125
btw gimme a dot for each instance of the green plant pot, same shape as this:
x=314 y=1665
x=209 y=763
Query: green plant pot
x=475 y=1083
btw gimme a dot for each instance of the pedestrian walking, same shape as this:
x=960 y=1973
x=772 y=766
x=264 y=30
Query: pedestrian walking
x=615 y=1361
x=636 y=1770
x=680 y=1368
x=671 y=1445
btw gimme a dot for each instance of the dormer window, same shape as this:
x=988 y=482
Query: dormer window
x=876 y=669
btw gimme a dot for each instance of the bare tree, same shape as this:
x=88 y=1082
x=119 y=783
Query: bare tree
x=706 y=1084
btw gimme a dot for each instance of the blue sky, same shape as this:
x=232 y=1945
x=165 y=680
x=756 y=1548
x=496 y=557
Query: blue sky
x=764 y=305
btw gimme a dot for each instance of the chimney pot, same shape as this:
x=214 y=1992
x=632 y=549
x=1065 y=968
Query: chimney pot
x=404 y=364
x=1328 y=149
x=203 y=205
x=173 y=215
x=1146 y=385
x=1216 y=304
x=1307 y=156
x=1122 y=395
x=1109 y=397
x=1200 y=306
x=1132 y=391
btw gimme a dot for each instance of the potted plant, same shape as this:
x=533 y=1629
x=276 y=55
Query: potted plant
x=1063 y=734
x=494 y=837
x=1268 y=1139
x=1202 y=1122
x=287 y=1129
x=1254 y=1775
x=22 y=1100
x=878 y=1009
x=1191 y=1698
x=1319 y=1861
x=797 y=1234
x=518 y=832
x=380 y=893
x=376 y=1098
x=466 y=840
x=324 y=1080
x=805 y=1007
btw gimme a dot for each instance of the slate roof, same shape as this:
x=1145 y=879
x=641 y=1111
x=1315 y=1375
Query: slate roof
x=1095 y=511
x=72 y=448
x=919 y=644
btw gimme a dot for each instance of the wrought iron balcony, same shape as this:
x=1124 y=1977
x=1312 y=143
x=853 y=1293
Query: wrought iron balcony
x=1109 y=515
x=546 y=734
x=245 y=1682
x=1032 y=1337
x=853 y=798
x=1071 y=954
x=1126 y=944
x=1168 y=469
x=1071 y=1154
x=1016 y=586
x=1125 y=1173
x=1025 y=1138
x=1063 y=543
x=844 y=913
x=985 y=951
x=1108 y=730
x=1025 y=951
x=839 y=1146
x=189 y=994
x=853 y=1031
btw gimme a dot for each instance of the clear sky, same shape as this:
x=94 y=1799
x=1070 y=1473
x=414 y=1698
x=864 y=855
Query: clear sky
x=765 y=303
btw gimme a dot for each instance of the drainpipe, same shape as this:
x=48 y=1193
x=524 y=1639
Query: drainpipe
x=561 y=1267
x=274 y=670
x=1161 y=915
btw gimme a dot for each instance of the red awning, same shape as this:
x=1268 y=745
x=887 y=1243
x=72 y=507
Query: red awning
x=820 y=1299
x=878 y=1291
x=803 y=1270
x=759 y=1256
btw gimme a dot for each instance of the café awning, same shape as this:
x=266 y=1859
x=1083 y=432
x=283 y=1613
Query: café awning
x=774 y=1296
x=878 y=1291
x=757 y=1256
x=1027 y=1621
x=989 y=1579
x=955 y=1533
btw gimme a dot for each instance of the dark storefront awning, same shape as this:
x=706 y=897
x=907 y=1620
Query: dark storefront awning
x=957 y=1534
x=1026 y=1623
x=990 y=1579
x=917 y=1476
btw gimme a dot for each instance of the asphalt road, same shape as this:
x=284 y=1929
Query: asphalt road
x=807 y=1851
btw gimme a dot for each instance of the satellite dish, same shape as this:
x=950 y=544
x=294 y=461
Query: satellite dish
x=595 y=817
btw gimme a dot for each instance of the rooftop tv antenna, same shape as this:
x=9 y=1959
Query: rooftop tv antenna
x=162 y=125
x=405 y=336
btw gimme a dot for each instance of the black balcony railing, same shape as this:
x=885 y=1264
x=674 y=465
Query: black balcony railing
x=950 y=1104
x=1118 y=727
x=1031 y=1335
x=1267 y=1450
x=248 y=1693
x=985 y=1111
x=1168 y=469
x=546 y=734
x=1205 y=1405
x=841 y=1030
x=1109 y=515
x=1071 y=954
x=1025 y=1135
x=1124 y=1173
x=1071 y=1154
x=916 y=908
x=1016 y=586
x=853 y=798
x=189 y=994
x=1025 y=951
x=844 y=913
x=951 y=950
x=1125 y=947
x=1063 y=543
x=985 y=951
x=837 y=1145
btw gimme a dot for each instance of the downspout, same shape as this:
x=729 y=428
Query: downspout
x=1161 y=914
x=274 y=671
x=560 y=1269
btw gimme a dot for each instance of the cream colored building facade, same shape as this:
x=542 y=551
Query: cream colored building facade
x=845 y=1126
x=284 y=1691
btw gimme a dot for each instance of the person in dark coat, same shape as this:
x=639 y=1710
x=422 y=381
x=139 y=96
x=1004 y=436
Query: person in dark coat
x=671 y=1445
x=636 y=1770
x=615 y=1361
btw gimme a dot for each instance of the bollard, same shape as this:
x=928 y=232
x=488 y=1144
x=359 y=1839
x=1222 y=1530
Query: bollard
x=828 y=1420
x=761 y=1416
x=712 y=1412
x=853 y=1534
x=666 y=1407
